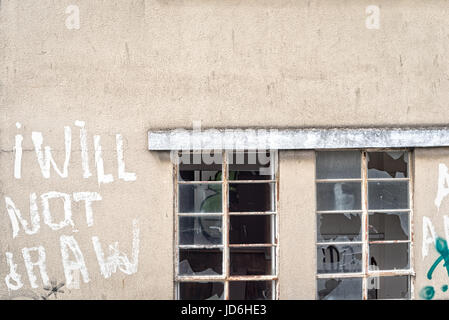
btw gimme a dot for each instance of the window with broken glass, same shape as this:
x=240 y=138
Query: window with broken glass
x=364 y=229
x=225 y=225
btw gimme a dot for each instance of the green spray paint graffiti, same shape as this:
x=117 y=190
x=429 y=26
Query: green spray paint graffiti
x=441 y=246
x=428 y=292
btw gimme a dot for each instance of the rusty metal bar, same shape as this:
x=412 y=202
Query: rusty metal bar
x=359 y=180
x=388 y=241
x=373 y=273
x=251 y=245
x=365 y=248
x=194 y=278
x=411 y=174
x=276 y=284
x=369 y=150
x=252 y=278
x=339 y=275
x=389 y=210
x=390 y=273
x=200 y=246
x=258 y=213
x=226 y=222
x=338 y=211
x=199 y=214
x=338 y=243
x=387 y=179
x=337 y=180
x=200 y=182
x=175 y=217
x=251 y=181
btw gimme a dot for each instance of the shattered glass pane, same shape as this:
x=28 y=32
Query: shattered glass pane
x=389 y=256
x=339 y=258
x=196 y=198
x=248 y=229
x=388 y=226
x=339 y=227
x=339 y=196
x=200 y=230
x=339 y=289
x=251 y=197
x=193 y=168
x=201 y=291
x=338 y=165
x=389 y=287
x=200 y=262
x=388 y=164
x=251 y=261
x=250 y=290
x=388 y=195
x=251 y=166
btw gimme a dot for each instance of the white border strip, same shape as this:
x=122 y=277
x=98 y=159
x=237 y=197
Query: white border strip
x=279 y=139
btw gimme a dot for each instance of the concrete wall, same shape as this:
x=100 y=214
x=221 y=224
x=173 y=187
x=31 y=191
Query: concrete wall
x=297 y=229
x=139 y=65
x=431 y=220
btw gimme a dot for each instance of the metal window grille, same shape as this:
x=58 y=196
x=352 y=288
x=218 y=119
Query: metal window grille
x=226 y=278
x=363 y=276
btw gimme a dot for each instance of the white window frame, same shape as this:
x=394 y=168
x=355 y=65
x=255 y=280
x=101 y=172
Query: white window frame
x=225 y=278
x=365 y=274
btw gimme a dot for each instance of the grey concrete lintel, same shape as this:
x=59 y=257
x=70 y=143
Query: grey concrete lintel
x=280 y=139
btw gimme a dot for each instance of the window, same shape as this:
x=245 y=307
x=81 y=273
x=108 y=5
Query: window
x=364 y=214
x=226 y=225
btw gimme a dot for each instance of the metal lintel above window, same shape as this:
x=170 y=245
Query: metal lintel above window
x=283 y=139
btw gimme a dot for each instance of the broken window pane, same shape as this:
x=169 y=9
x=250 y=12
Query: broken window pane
x=251 y=166
x=388 y=195
x=200 y=198
x=388 y=164
x=388 y=226
x=339 y=196
x=389 y=287
x=338 y=165
x=249 y=229
x=199 y=172
x=251 y=261
x=200 y=230
x=389 y=256
x=250 y=290
x=202 y=214
x=339 y=258
x=339 y=227
x=201 y=291
x=200 y=262
x=251 y=197
x=199 y=166
x=339 y=289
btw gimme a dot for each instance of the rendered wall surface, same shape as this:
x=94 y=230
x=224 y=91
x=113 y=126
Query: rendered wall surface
x=133 y=66
x=431 y=221
x=297 y=225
